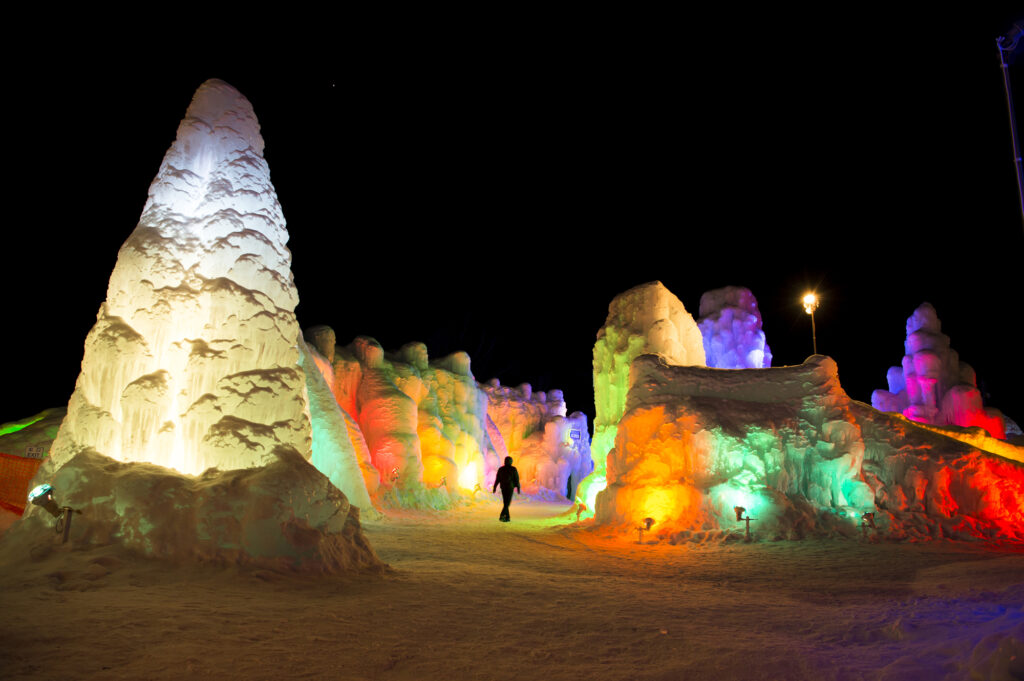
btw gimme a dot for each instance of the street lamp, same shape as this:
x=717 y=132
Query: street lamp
x=810 y=305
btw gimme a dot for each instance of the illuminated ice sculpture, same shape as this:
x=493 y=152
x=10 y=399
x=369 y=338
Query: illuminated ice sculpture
x=730 y=323
x=647 y=319
x=193 y=362
x=932 y=385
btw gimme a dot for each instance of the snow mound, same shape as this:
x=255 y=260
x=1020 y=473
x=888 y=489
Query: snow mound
x=285 y=515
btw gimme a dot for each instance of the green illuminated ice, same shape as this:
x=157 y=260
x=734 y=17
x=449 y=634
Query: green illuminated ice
x=647 y=319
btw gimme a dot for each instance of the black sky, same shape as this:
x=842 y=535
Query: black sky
x=494 y=196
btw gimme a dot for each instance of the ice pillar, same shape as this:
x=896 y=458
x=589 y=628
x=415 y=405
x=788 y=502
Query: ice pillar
x=193 y=359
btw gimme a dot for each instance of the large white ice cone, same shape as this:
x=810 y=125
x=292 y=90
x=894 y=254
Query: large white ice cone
x=193 y=361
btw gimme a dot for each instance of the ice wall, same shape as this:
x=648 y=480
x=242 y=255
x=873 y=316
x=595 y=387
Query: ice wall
x=192 y=362
x=790 y=447
x=334 y=453
x=730 y=324
x=550 y=450
x=933 y=385
x=647 y=319
x=423 y=420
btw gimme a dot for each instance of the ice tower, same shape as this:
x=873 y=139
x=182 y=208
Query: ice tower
x=647 y=319
x=932 y=385
x=730 y=323
x=193 y=360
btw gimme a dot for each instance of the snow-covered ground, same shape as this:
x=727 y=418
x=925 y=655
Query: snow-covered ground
x=467 y=597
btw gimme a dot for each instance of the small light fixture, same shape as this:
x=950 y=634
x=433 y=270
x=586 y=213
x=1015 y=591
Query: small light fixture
x=42 y=496
x=739 y=510
x=640 y=528
x=867 y=520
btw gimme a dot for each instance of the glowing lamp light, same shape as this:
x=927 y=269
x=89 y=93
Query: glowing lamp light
x=42 y=496
x=467 y=476
x=810 y=301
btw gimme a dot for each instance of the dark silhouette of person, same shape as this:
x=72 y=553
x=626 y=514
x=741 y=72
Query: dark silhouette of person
x=508 y=477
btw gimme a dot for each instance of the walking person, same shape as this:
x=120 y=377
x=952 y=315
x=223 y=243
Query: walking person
x=508 y=477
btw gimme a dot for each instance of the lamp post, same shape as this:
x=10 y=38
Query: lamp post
x=810 y=305
x=1007 y=45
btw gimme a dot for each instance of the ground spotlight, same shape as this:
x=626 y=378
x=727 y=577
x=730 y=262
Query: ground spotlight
x=867 y=520
x=739 y=510
x=42 y=496
x=641 y=528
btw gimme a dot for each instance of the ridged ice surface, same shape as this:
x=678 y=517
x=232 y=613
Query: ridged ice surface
x=192 y=362
x=647 y=319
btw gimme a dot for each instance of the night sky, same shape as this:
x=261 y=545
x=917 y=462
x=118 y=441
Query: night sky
x=494 y=195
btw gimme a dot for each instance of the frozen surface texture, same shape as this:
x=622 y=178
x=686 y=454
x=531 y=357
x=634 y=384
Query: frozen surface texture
x=334 y=452
x=424 y=431
x=550 y=450
x=192 y=362
x=647 y=319
x=284 y=515
x=422 y=422
x=933 y=385
x=790 y=447
x=730 y=323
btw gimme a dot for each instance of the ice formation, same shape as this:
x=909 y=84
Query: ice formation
x=192 y=362
x=789 y=447
x=334 y=452
x=193 y=365
x=423 y=422
x=647 y=319
x=933 y=385
x=550 y=450
x=694 y=445
x=420 y=426
x=730 y=323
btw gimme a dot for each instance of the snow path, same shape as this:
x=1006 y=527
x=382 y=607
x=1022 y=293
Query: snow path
x=470 y=598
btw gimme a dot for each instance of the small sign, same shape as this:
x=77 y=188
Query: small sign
x=574 y=434
x=35 y=452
